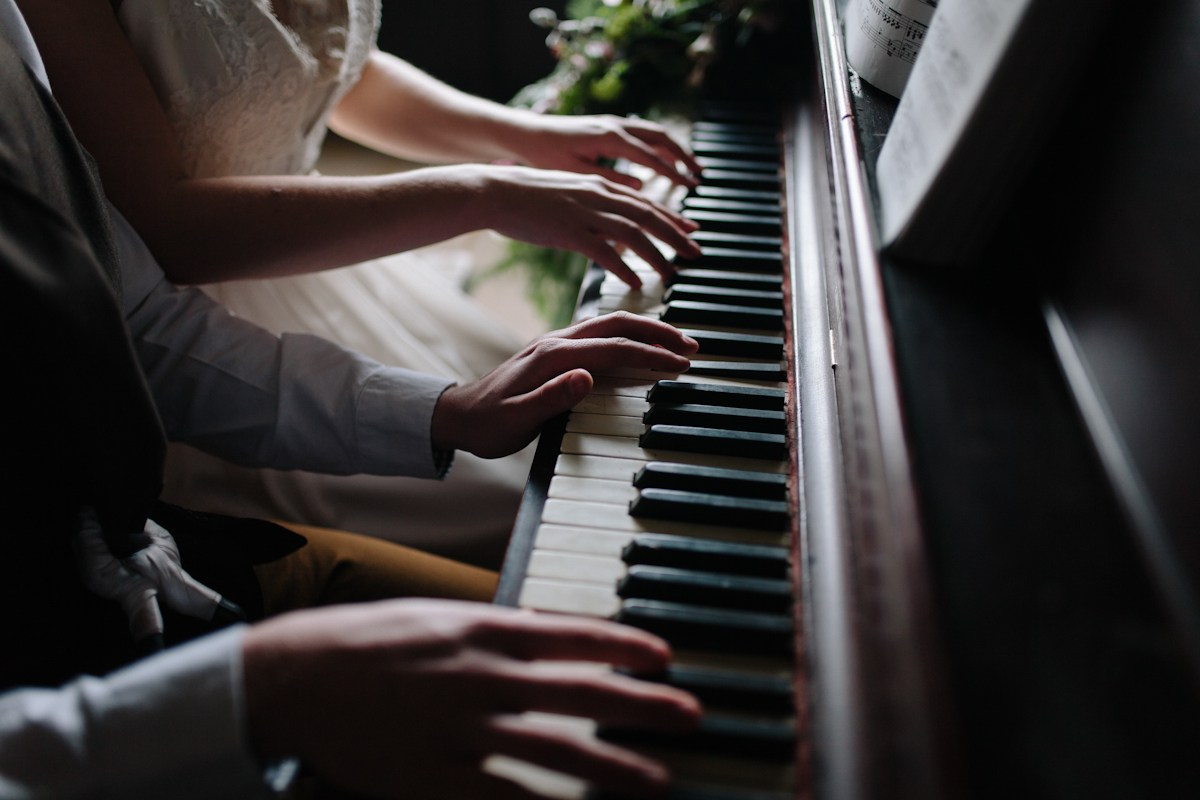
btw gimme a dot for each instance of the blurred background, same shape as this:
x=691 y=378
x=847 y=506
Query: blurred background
x=485 y=47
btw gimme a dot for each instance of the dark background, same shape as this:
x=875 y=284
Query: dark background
x=485 y=47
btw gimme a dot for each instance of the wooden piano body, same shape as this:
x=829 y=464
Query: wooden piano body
x=995 y=476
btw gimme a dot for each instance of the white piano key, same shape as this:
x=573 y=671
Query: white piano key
x=594 y=490
x=564 y=566
x=587 y=444
x=539 y=780
x=581 y=540
x=605 y=516
x=586 y=599
x=611 y=469
x=633 y=302
x=605 y=425
x=619 y=387
x=652 y=283
x=613 y=405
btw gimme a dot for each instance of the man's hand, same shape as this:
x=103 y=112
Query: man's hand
x=406 y=698
x=577 y=143
x=503 y=411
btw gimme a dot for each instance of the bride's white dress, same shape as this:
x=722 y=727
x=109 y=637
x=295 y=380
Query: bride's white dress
x=248 y=86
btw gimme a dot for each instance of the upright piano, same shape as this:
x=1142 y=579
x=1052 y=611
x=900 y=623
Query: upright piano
x=912 y=532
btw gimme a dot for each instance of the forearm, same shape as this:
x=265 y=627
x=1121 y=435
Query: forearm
x=208 y=230
x=169 y=726
x=398 y=109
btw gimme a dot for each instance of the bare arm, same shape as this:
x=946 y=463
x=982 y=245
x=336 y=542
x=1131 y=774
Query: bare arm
x=217 y=229
x=398 y=109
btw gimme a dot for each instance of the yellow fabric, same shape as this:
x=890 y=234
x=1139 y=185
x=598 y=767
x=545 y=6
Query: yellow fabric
x=340 y=567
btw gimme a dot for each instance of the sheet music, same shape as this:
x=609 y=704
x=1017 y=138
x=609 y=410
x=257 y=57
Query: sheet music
x=883 y=38
x=962 y=51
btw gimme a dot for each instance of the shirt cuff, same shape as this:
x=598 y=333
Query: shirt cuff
x=174 y=725
x=394 y=423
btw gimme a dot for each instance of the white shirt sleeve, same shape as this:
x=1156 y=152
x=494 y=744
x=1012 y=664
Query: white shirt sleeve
x=169 y=726
x=289 y=402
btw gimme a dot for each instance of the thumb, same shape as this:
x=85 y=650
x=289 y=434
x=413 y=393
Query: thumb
x=557 y=395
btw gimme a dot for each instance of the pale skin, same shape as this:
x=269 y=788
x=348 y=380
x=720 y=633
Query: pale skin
x=406 y=698
x=286 y=225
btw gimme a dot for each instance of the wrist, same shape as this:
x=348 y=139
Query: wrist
x=445 y=429
x=265 y=678
x=514 y=132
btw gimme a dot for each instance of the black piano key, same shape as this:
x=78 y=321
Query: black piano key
x=737 y=223
x=708 y=416
x=738 y=345
x=704 y=793
x=740 y=164
x=714 y=589
x=690 y=627
x=716 y=441
x=741 y=240
x=708 y=294
x=739 y=370
x=738 y=111
x=716 y=480
x=735 y=259
x=707 y=555
x=736 y=194
x=710 y=509
x=731 y=689
x=739 y=179
x=722 y=204
x=723 y=315
x=717 y=395
x=742 y=129
x=762 y=139
x=734 y=279
x=751 y=151
x=761 y=739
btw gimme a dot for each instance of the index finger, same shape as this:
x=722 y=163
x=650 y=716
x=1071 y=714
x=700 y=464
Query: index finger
x=659 y=138
x=631 y=326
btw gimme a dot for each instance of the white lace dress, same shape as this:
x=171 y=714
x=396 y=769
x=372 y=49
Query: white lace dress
x=248 y=86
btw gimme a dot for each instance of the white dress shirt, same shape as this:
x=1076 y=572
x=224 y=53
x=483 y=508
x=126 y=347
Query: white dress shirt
x=172 y=726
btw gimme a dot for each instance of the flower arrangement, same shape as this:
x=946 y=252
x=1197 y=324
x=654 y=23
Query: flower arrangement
x=654 y=58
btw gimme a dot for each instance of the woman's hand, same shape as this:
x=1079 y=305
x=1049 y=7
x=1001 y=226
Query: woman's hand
x=585 y=213
x=576 y=144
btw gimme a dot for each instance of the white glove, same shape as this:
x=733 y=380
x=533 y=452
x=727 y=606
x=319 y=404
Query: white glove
x=137 y=582
x=112 y=580
x=158 y=562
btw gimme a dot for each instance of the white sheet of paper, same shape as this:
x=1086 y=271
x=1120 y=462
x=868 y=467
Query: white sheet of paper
x=961 y=52
x=883 y=38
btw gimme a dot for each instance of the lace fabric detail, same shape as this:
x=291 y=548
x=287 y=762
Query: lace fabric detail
x=249 y=85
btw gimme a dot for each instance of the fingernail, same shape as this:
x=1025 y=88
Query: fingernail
x=580 y=385
x=690 y=341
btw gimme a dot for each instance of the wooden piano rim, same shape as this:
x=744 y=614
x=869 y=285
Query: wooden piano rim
x=845 y=731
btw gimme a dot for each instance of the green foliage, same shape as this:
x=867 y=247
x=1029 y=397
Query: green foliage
x=646 y=57
x=554 y=278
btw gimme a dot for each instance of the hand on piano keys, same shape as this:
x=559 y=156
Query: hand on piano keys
x=407 y=698
x=669 y=506
x=503 y=411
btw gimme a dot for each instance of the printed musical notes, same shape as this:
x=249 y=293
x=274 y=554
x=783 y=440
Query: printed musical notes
x=883 y=38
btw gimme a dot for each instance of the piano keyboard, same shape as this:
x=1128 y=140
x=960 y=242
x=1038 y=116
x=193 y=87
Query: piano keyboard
x=668 y=508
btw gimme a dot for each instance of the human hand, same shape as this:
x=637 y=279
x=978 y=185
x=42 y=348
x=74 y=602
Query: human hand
x=406 y=698
x=577 y=143
x=586 y=214
x=503 y=411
